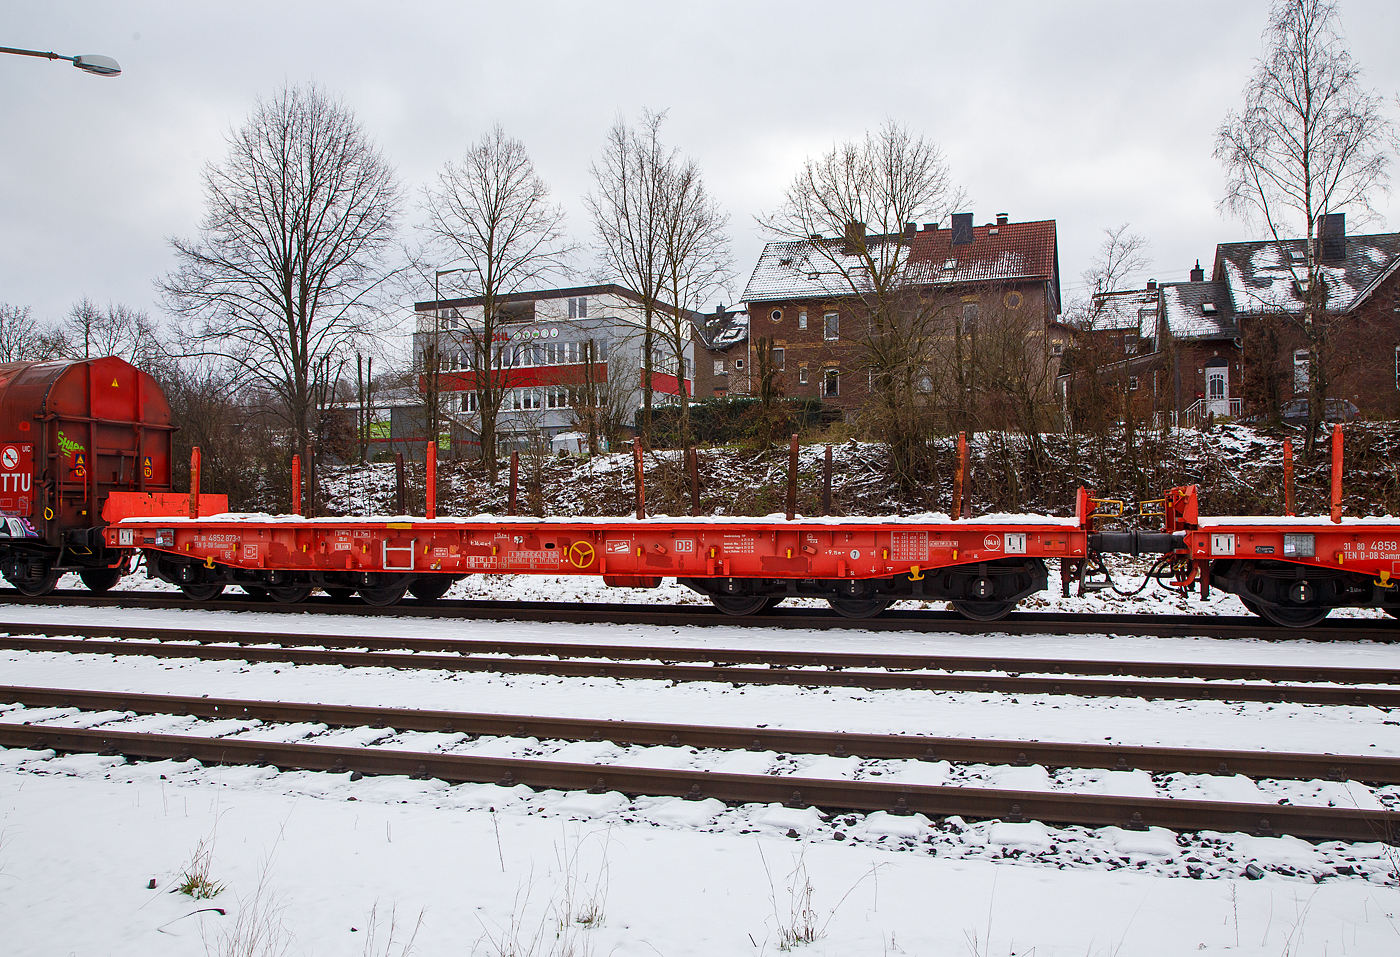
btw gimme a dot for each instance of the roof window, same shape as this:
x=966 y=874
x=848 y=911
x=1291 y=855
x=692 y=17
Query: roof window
x=950 y=264
x=1208 y=308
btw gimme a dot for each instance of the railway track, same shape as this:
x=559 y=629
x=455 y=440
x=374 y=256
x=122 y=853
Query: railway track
x=809 y=619
x=1321 y=823
x=1015 y=675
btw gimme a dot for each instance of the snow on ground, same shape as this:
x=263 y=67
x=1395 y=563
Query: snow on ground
x=487 y=868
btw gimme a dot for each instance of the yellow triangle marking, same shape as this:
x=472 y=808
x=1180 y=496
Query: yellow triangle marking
x=114 y=384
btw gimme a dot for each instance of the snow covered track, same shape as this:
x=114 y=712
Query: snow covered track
x=1377 y=687
x=1257 y=764
x=1133 y=813
x=896 y=618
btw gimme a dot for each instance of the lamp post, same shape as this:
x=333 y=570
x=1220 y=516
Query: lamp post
x=88 y=62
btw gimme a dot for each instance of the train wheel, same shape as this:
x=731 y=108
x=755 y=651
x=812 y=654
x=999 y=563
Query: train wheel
x=339 y=594
x=984 y=610
x=739 y=604
x=100 y=579
x=1292 y=617
x=859 y=607
x=289 y=594
x=430 y=587
x=203 y=591
x=383 y=595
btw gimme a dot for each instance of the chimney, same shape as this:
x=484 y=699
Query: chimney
x=930 y=227
x=1151 y=285
x=719 y=310
x=910 y=229
x=814 y=237
x=855 y=238
x=1198 y=274
x=1332 y=238
x=962 y=229
x=1002 y=218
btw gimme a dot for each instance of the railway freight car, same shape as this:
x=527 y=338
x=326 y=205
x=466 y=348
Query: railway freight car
x=71 y=433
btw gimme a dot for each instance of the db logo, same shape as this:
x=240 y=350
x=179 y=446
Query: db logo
x=10 y=457
x=991 y=543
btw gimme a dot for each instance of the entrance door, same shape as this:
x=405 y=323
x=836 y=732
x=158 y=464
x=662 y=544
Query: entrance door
x=1218 y=390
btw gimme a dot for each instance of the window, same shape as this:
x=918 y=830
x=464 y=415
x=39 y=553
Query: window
x=831 y=382
x=468 y=401
x=802 y=319
x=690 y=368
x=970 y=314
x=719 y=367
x=738 y=364
x=802 y=372
x=1132 y=383
x=524 y=399
x=831 y=326
x=1300 y=371
x=557 y=398
x=578 y=308
x=779 y=358
x=776 y=315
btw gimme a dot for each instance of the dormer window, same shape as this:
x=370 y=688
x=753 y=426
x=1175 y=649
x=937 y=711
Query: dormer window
x=1208 y=308
x=950 y=264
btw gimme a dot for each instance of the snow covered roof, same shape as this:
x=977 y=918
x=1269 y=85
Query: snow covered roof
x=1261 y=275
x=820 y=268
x=1129 y=309
x=723 y=329
x=1199 y=310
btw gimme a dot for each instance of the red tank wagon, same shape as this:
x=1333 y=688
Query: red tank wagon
x=860 y=566
x=71 y=433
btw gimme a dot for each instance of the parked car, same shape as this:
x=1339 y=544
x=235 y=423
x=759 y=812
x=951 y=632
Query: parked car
x=1337 y=410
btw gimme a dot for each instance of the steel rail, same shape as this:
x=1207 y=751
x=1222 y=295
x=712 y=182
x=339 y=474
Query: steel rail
x=1151 y=689
x=835 y=660
x=1093 y=810
x=1257 y=764
x=808 y=619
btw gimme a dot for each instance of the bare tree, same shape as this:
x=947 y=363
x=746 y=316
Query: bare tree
x=491 y=212
x=1121 y=255
x=866 y=191
x=299 y=221
x=1308 y=142
x=629 y=207
x=89 y=332
x=24 y=340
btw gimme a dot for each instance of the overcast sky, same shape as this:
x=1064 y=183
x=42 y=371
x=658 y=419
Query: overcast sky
x=1089 y=113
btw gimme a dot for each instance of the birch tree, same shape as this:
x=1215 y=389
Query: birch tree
x=1310 y=140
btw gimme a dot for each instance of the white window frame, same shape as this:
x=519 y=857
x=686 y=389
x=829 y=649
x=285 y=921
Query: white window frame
x=1302 y=370
x=831 y=382
x=719 y=366
x=831 y=326
x=802 y=374
x=779 y=354
x=802 y=319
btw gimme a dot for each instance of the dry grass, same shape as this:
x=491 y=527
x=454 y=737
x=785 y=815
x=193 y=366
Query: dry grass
x=194 y=879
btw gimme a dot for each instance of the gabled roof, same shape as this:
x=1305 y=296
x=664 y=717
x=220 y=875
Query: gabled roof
x=818 y=268
x=1199 y=310
x=1260 y=275
x=1129 y=309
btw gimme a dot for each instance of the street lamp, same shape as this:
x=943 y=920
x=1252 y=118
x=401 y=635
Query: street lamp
x=88 y=62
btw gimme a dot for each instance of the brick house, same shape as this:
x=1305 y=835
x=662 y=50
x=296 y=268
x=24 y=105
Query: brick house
x=721 y=353
x=800 y=299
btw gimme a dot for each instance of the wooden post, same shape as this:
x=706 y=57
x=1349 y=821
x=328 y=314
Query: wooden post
x=959 y=478
x=641 y=484
x=694 y=481
x=430 y=493
x=399 y=504
x=826 y=483
x=310 y=483
x=296 y=484
x=1337 y=472
x=514 y=479
x=792 y=478
x=1288 y=478
x=194 y=482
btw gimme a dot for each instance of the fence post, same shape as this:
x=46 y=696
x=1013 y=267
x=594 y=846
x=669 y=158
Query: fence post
x=641 y=486
x=792 y=478
x=310 y=483
x=694 y=458
x=296 y=484
x=399 y=504
x=826 y=483
x=1337 y=472
x=1288 y=478
x=514 y=479
x=960 y=477
x=194 y=481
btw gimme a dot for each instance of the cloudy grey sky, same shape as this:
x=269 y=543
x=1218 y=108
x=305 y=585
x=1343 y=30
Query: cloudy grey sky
x=1091 y=112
